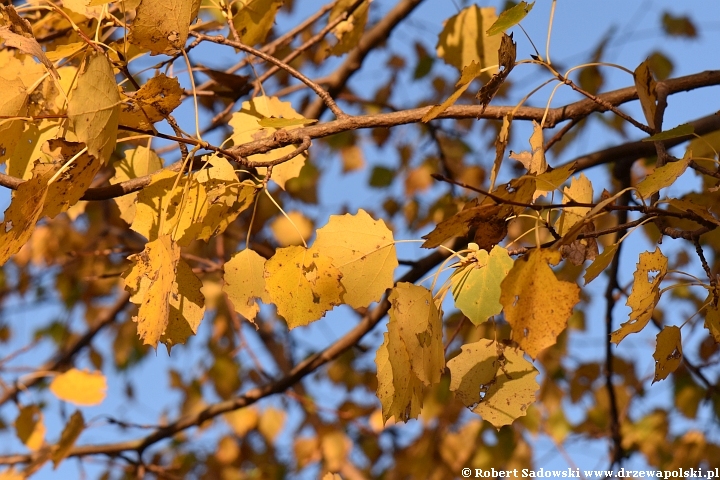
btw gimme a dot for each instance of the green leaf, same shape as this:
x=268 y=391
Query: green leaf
x=476 y=287
x=509 y=18
x=662 y=177
x=381 y=177
x=679 y=131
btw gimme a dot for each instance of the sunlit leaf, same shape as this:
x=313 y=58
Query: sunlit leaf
x=245 y=283
x=497 y=383
x=162 y=27
x=645 y=84
x=71 y=432
x=94 y=107
x=303 y=284
x=80 y=387
x=537 y=305
x=601 y=263
x=254 y=19
x=463 y=39
x=510 y=17
x=650 y=271
x=662 y=177
x=476 y=286
x=679 y=131
x=363 y=250
x=29 y=426
x=668 y=352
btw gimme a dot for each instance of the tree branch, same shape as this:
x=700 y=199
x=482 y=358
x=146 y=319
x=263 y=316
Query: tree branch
x=300 y=371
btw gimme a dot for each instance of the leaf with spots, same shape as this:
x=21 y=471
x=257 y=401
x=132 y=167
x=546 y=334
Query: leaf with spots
x=363 y=250
x=537 y=305
x=304 y=284
x=495 y=382
x=245 y=283
x=411 y=356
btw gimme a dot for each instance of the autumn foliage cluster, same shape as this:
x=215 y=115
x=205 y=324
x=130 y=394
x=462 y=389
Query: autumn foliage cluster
x=158 y=198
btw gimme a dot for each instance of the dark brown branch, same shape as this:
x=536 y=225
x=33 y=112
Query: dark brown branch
x=300 y=371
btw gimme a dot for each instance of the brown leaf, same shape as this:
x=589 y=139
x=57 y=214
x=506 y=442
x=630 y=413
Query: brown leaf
x=506 y=58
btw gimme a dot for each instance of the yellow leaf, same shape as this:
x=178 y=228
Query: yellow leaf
x=162 y=26
x=600 y=264
x=11 y=474
x=13 y=102
x=534 y=161
x=65 y=51
x=335 y=447
x=476 y=287
x=552 y=179
x=469 y=73
x=17 y=32
x=70 y=434
x=246 y=128
x=285 y=229
x=178 y=210
x=22 y=214
x=155 y=100
x=303 y=284
x=349 y=31
x=668 y=352
x=137 y=162
x=712 y=317
x=226 y=197
x=580 y=190
x=662 y=177
x=245 y=283
x=271 y=423
x=254 y=19
x=463 y=39
x=510 y=17
x=80 y=387
x=497 y=383
x=82 y=7
x=412 y=354
x=94 y=107
x=29 y=427
x=537 y=305
x=243 y=420
x=645 y=84
x=363 y=250
x=332 y=476
x=29 y=148
x=170 y=308
x=66 y=190
x=651 y=270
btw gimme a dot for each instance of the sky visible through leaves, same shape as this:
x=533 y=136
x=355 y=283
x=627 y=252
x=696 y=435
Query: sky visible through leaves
x=573 y=34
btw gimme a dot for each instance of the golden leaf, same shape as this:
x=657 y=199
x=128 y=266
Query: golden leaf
x=245 y=283
x=581 y=191
x=537 y=305
x=668 y=352
x=463 y=39
x=163 y=26
x=497 y=383
x=66 y=190
x=155 y=100
x=285 y=229
x=651 y=269
x=177 y=210
x=29 y=426
x=363 y=250
x=412 y=354
x=137 y=162
x=349 y=31
x=94 y=107
x=13 y=102
x=80 y=387
x=270 y=423
x=171 y=304
x=246 y=128
x=71 y=432
x=254 y=19
x=303 y=284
